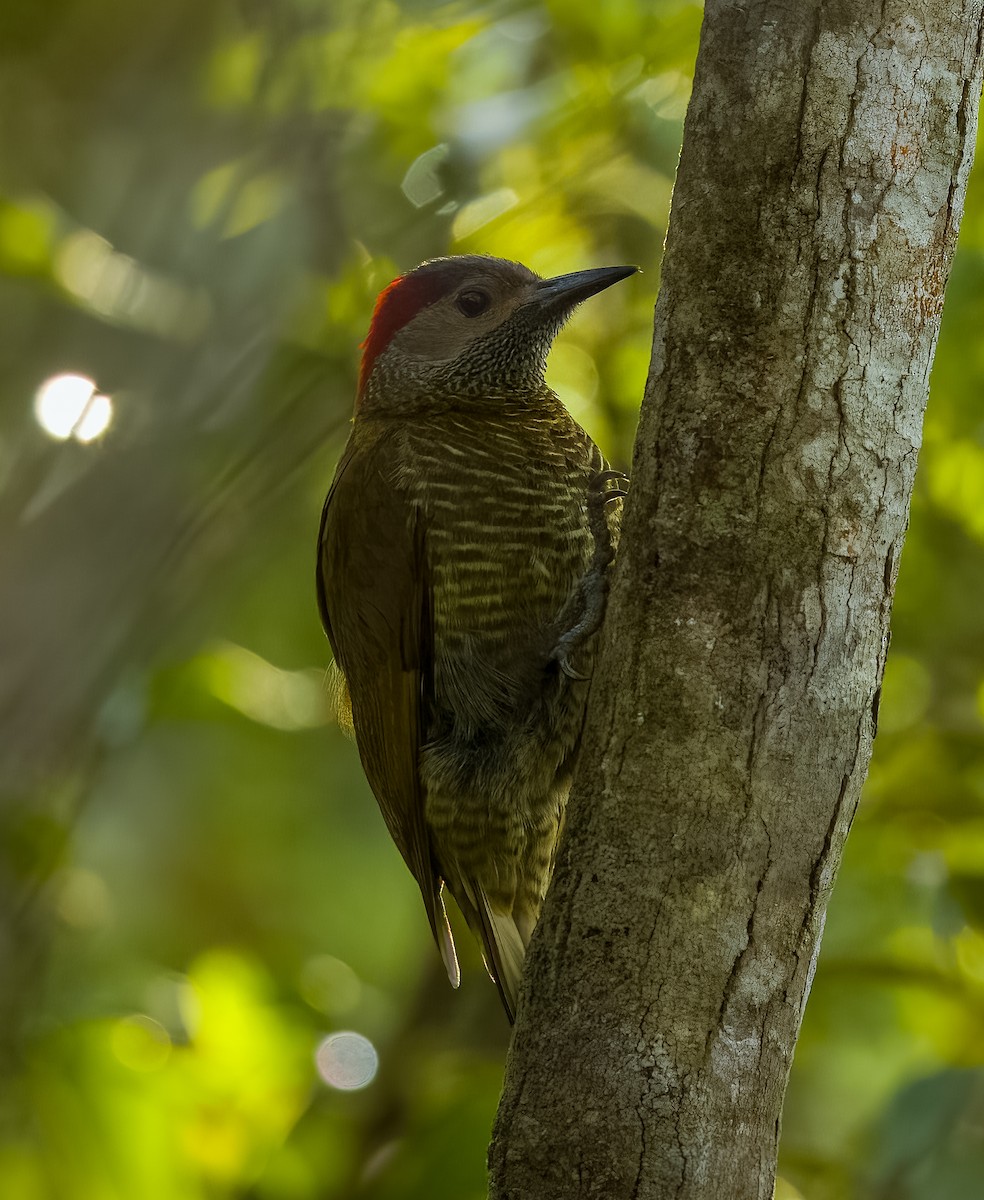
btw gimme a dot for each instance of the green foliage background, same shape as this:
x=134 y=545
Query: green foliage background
x=198 y=203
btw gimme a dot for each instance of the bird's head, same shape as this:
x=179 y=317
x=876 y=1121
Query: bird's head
x=468 y=327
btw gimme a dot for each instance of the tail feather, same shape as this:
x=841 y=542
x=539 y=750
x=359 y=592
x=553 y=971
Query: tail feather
x=445 y=939
x=505 y=950
x=504 y=937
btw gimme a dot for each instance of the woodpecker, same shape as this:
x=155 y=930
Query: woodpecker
x=462 y=571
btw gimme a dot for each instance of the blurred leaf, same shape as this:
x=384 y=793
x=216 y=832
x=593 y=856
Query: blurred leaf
x=930 y=1143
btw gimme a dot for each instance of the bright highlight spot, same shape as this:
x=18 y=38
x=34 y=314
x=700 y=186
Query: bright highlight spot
x=94 y=420
x=347 y=1061
x=68 y=406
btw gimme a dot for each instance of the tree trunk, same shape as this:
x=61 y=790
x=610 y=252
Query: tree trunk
x=826 y=154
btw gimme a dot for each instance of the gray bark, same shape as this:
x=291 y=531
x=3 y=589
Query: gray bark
x=826 y=154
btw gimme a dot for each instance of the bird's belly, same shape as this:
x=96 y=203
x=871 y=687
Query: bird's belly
x=507 y=543
x=499 y=756
x=496 y=619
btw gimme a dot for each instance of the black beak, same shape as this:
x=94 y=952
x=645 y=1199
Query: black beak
x=560 y=294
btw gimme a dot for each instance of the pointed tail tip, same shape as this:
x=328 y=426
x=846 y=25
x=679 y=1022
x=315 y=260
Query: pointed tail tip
x=505 y=949
x=452 y=968
x=445 y=943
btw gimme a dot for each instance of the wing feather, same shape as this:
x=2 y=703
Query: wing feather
x=374 y=597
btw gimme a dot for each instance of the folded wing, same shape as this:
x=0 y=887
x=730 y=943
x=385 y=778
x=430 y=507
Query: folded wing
x=374 y=597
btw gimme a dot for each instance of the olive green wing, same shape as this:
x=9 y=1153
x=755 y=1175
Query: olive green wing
x=374 y=597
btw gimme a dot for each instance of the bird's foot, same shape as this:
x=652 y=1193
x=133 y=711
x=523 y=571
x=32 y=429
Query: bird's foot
x=598 y=488
x=587 y=604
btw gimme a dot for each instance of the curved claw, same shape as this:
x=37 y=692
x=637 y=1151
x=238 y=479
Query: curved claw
x=600 y=481
x=598 y=485
x=603 y=477
x=562 y=662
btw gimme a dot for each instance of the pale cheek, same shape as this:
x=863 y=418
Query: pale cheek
x=440 y=335
x=436 y=345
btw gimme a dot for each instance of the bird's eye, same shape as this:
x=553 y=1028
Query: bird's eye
x=473 y=302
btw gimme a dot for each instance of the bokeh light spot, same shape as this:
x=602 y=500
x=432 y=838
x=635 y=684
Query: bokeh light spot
x=83 y=899
x=140 y=1043
x=347 y=1061
x=94 y=420
x=330 y=985
x=422 y=183
x=60 y=402
x=481 y=211
x=969 y=946
x=119 y=288
x=67 y=406
x=26 y=236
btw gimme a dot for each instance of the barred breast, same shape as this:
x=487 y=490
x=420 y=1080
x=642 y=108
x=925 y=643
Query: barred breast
x=505 y=506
